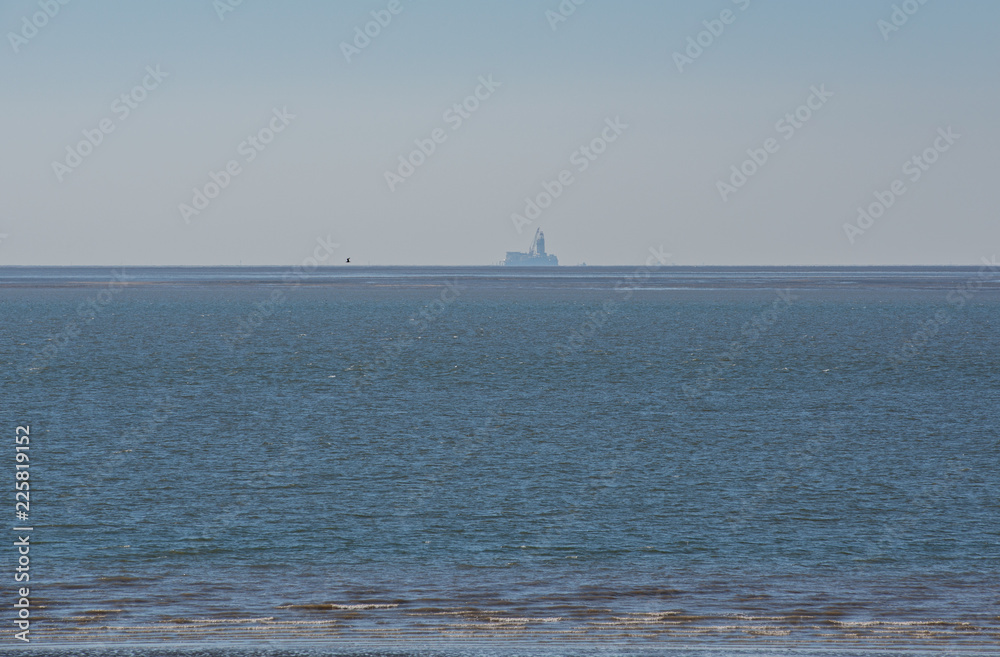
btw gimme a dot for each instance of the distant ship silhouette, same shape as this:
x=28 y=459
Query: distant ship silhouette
x=535 y=257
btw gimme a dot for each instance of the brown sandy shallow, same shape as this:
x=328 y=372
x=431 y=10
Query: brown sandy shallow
x=635 y=277
x=385 y=625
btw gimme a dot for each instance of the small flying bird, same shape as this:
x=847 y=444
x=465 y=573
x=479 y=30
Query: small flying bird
x=348 y=261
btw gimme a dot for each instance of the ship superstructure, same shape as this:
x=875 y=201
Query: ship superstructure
x=535 y=257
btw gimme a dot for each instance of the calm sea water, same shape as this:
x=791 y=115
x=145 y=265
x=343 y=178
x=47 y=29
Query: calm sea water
x=471 y=458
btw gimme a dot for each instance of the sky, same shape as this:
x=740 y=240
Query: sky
x=422 y=132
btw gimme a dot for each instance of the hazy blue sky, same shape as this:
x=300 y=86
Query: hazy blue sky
x=886 y=94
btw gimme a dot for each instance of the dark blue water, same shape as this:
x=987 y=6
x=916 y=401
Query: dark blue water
x=719 y=458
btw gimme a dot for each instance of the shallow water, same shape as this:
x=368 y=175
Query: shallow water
x=575 y=457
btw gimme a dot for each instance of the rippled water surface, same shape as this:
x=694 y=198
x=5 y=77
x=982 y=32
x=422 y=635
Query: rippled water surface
x=724 y=459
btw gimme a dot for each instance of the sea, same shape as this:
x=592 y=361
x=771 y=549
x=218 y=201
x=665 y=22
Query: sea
x=656 y=460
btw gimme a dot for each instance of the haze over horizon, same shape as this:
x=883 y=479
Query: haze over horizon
x=727 y=132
